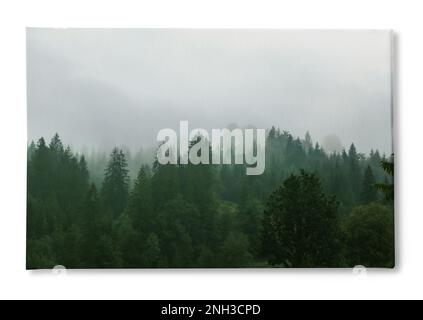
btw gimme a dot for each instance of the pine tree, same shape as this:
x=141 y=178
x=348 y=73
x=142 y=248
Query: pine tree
x=344 y=156
x=151 y=253
x=56 y=144
x=180 y=231
x=354 y=171
x=368 y=189
x=114 y=191
x=140 y=207
x=31 y=150
x=387 y=188
x=39 y=175
x=83 y=168
x=353 y=158
x=90 y=217
x=128 y=241
x=165 y=183
x=98 y=250
x=308 y=142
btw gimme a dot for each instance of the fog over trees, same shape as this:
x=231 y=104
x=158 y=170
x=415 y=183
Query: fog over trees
x=98 y=198
x=102 y=88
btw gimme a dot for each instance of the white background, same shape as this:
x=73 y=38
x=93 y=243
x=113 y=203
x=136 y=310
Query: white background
x=405 y=17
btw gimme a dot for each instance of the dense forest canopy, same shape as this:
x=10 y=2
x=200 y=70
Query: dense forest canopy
x=310 y=208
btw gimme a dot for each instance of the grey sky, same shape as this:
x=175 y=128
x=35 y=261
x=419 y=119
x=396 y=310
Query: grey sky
x=104 y=87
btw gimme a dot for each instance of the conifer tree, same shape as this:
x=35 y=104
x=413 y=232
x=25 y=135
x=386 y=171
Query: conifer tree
x=354 y=172
x=83 y=168
x=151 y=253
x=368 y=189
x=98 y=250
x=308 y=142
x=140 y=207
x=387 y=188
x=31 y=150
x=90 y=218
x=56 y=144
x=353 y=158
x=128 y=241
x=114 y=192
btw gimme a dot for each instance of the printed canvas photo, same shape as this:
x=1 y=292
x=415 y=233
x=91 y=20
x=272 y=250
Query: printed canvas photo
x=209 y=148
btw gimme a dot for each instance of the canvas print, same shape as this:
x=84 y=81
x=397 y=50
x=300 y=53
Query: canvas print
x=203 y=148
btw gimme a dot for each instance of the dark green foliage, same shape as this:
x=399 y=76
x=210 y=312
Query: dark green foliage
x=165 y=184
x=129 y=242
x=57 y=184
x=300 y=226
x=368 y=190
x=151 y=253
x=250 y=222
x=354 y=172
x=114 y=192
x=388 y=166
x=387 y=188
x=140 y=207
x=97 y=247
x=187 y=216
x=370 y=236
x=235 y=252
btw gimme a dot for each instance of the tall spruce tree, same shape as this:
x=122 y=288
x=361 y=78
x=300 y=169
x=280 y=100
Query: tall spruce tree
x=114 y=192
x=308 y=142
x=140 y=207
x=98 y=250
x=151 y=253
x=56 y=144
x=354 y=172
x=90 y=217
x=368 y=189
x=353 y=158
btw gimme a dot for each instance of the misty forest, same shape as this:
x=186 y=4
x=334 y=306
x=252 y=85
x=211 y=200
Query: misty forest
x=310 y=208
